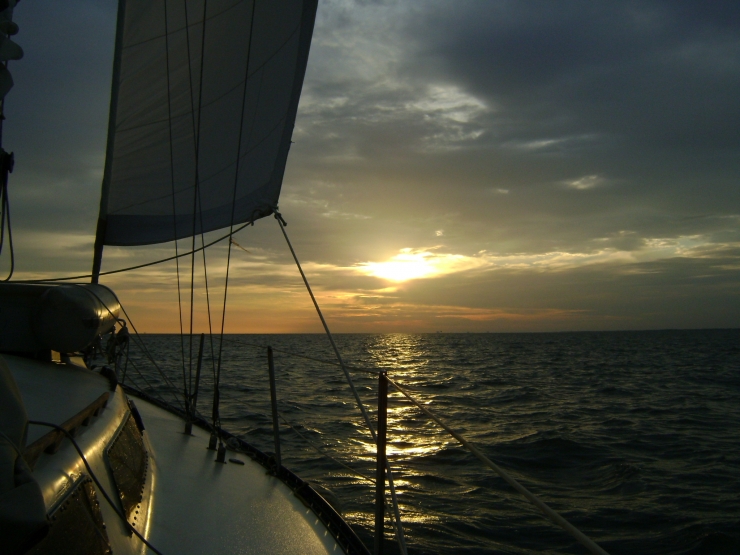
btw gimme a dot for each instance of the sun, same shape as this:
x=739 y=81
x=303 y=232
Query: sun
x=403 y=267
x=411 y=264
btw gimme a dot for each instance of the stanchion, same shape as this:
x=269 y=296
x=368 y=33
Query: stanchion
x=381 y=463
x=194 y=401
x=273 y=398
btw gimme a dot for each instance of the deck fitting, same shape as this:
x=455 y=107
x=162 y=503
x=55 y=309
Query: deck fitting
x=221 y=456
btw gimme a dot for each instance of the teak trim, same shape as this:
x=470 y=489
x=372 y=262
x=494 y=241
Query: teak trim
x=50 y=442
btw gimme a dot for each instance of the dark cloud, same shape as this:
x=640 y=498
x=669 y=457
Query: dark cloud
x=515 y=128
x=639 y=94
x=662 y=72
x=56 y=126
x=671 y=293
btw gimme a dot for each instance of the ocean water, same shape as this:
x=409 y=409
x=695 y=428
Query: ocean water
x=634 y=437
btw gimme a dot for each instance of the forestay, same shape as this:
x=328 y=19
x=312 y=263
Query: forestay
x=201 y=116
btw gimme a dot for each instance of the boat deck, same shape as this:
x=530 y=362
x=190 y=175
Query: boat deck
x=54 y=392
x=240 y=509
x=192 y=504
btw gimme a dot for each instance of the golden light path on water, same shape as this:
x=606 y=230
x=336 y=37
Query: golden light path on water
x=411 y=435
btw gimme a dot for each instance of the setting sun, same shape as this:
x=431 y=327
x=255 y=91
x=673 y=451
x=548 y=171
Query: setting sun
x=418 y=264
x=403 y=267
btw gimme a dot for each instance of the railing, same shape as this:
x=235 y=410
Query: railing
x=383 y=470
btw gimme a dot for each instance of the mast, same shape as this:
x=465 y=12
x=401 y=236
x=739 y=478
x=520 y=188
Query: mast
x=107 y=171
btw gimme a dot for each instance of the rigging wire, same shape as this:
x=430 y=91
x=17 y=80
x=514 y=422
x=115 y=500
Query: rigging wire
x=7 y=161
x=150 y=387
x=143 y=347
x=5 y=209
x=172 y=182
x=549 y=513
x=216 y=415
x=360 y=404
x=208 y=306
x=141 y=343
x=154 y=394
x=389 y=473
x=138 y=266
x=532 y=498
x=290 y=353
x=196 y=188
x=200 y=207
x=323 y=452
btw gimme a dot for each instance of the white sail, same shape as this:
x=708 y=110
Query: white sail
x=201 y=118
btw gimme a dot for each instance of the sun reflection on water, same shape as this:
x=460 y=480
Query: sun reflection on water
x=410 y=434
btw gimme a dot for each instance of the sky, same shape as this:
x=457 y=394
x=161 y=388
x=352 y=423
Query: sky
x=466 y=166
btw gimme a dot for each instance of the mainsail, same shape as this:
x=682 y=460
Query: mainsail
x=205 y=94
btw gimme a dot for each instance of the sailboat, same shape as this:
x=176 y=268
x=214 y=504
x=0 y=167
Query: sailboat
x=204 y=99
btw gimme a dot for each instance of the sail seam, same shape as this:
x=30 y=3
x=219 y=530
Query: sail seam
x=181 y=29
x=182 y=114
x=210 y=103
x=213 y=175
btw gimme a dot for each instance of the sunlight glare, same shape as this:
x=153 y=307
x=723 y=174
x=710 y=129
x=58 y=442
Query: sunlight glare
x=402 y=267
x=411 y=264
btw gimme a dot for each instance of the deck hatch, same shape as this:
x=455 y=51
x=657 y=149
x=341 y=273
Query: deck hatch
x=76 y=526
x=128 y=461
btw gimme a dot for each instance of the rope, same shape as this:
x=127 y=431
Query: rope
x=7 y=167
x=216 y=416
x=391 y=485
x=208 y=307
x=138 y=266
x=290 y=353
x=360 y=404
x=238 y=245
x=142 y=346
x=532 y=498
x=136 y=336
x=172 y=182
x=321 y=451
x=197 y=207
x=5 y=209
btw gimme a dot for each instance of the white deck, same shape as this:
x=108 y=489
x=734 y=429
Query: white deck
x=54 y=392
x=197 y=506
x=201 y=506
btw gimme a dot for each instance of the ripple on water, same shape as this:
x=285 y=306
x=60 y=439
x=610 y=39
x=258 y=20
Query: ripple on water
x=632 y=435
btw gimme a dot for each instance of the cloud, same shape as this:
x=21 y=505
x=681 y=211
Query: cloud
x=413 y=264
x=579 y=162
x=665 y=283
x=585 y=182
x=419 y=264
